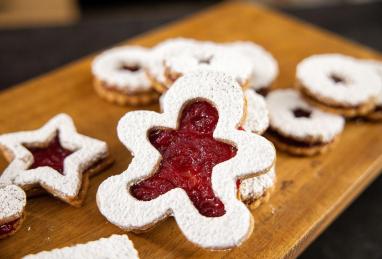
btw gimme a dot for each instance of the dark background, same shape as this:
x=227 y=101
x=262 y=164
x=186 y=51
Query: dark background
x=25 y=53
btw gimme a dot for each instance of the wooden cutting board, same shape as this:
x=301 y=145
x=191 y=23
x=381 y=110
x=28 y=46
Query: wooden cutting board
x=309 y=194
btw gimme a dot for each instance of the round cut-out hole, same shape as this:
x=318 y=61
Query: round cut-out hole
x=337 y=79
x=301 y=113
x=131 y=68
x=206 y=60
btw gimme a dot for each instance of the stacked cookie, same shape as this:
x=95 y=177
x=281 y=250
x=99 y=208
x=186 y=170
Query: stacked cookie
x=135 y=75
x=54 y=159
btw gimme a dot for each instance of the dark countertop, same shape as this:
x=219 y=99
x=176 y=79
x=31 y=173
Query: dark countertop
x=25 y=53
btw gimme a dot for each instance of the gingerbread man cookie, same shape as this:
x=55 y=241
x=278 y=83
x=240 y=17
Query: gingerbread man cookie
x=12 y=205
x=120 y=77
x=186 y=163
x=54 y=157
x=298 y=127
x=339 y=84
x=115 y=246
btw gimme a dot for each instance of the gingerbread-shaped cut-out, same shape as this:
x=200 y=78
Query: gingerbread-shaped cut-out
x=188 y=156
x=254 y=156
x=54 y=157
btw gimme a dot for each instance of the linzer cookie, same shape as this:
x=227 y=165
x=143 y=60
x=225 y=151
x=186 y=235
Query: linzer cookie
x=209 y=56
x=115 y=246
x=376 y=114
x=339 y=84
x=298 y=127
x=186 y=162
x=265 y=67
x=120 y=76
x=54 y=157
x=12 y=205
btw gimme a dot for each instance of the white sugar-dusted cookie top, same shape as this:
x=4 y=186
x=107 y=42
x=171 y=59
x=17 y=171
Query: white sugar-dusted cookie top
x=361 y=82
x=257 y=118
x=115 y=246
x=12 y=203
x=377 y=65
x=86 y=151
x=319 y=126
x=265 y=67
x=109 y=68
x=117 y=204
x=254 y=188
x=211 y=56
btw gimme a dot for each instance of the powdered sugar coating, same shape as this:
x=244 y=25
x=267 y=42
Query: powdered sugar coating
x=254 y=188
x=117 y=204
x=377 y=65
x=86 y=151
x=362 y=83
x=211 y=56
x=12 y=203
x=320 y=126
x=257 y=117
x=107 y=68
x=265 y=67
x=115 y=246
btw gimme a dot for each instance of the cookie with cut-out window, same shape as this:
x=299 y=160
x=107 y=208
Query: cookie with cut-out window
x=339 y=84
x=186 y=163
x=54 y=158
x=120 y=76
x=298 y=127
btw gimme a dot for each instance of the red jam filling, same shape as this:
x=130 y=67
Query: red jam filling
x=8 y=227
x=53 y=155
x=188 y=155
x=301 y=113
x=131 y=68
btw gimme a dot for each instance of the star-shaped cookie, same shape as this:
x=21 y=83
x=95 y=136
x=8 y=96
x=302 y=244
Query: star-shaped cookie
x=191 y=154
x=54 y=157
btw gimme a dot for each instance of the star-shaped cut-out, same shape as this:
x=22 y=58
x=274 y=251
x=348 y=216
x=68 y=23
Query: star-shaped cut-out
x=60 y=172
x=188 y=156
x=52 y=155
x=254 y=155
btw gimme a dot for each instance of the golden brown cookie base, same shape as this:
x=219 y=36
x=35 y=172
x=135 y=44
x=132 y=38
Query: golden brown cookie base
x=374 y=116
x=17 y=226
x=157 y=86
x=327 y=106
x=255 y=203
x=300 y=150
x=117 y=97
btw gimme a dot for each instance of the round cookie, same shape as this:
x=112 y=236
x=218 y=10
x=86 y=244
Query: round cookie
x=338 y=84
x=120 y=77
x=299 y=128
x=209 y=56
x=265 y=67
x=155 y=68
x=12 y=205
x=376 y=114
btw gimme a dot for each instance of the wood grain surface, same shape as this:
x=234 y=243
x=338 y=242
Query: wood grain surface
x=310 y=192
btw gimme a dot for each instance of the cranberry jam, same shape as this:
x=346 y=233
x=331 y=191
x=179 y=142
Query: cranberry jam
x=188 y=155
